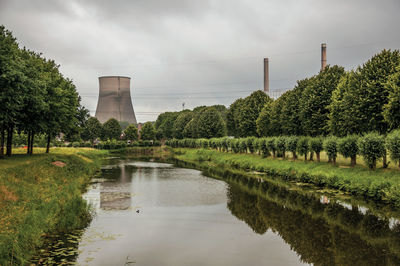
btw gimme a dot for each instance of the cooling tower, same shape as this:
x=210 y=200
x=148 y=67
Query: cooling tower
x=115 y=100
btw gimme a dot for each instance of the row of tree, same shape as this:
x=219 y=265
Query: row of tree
x=372 y=146
x=333 y=102
x=35 y=97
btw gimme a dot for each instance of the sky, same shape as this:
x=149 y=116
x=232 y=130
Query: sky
x=199 y=52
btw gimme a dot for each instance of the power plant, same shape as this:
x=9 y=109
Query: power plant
x=115 y=100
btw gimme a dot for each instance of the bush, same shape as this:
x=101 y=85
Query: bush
x=316 y=145
x=330 y=146
x=291 y=145
x=250 y=144
x=242 y=145
x=270 y=142
x=75 y=144
x=393 y=145
x=347 y=146
x=263 y=147
x=372 y=148
x=280 y=143
x=303 y=146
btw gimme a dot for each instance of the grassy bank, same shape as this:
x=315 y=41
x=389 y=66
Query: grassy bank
x=380 y=185
x=38 y=198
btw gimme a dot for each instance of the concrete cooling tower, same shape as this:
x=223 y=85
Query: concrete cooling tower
x=115 y=100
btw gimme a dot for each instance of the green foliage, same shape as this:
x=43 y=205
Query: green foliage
x=391 y=110
x=180 y=123
x=393 y=145
x=211 y=124
x=316 y=99
x=280 y=144
x=111 y=129
x=92 y=129
x=131 y=132
x=250 y=144
x=291 y=145
x=243 y=114
x=271 y=145
x=263 y=122
x=330 y=146
x=358 y=102
x=148 y=131
x=303 y=146
x=348 y=147
x=165 y=124
x=316 y=145
x=372 y=148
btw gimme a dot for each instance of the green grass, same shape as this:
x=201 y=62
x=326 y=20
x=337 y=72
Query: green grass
x=380 y=185
x=38 y=198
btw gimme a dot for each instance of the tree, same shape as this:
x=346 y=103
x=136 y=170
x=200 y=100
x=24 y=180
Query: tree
x=249 y=112
x=232 y=117
x=92 y=130
x=131 y=132
x=330 y=146
x=393 y=145
x=180 y=123
x=263 y=122
x=391 y=110
x=316 y=98
x=348 y=147
x=290 y=109
x=372 y=148
x=148 y=131
x=111 y=129
x=211 y=124
x=359 y=100
x=165 y=123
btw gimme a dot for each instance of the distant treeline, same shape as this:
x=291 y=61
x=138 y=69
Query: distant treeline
x=333 y=102
x=35 y=98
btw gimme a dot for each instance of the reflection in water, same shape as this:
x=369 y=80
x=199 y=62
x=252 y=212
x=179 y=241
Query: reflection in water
x=186 y=218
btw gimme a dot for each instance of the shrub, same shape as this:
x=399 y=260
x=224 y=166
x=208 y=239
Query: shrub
x=303 y=146
x=75 y=144
x=270 y=142
x=330 y=146
x=242 y=145
x=393 y=145
x=372 y=147
x=250 y=144
x=262 y=143
x=347 y=146
x=316 y=145
x=291 y=145
x=280 y=143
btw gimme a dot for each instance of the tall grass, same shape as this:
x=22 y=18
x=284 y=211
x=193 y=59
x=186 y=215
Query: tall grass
x=38 y=199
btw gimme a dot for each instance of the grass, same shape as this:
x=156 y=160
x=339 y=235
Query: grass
x=380 y=185
x=38 y=198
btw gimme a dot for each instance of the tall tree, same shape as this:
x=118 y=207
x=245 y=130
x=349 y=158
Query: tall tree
x=180 y=123
x=92 y=129
x=131 y=132
x=232 y=117
x=316 y=98
x=359 y=100
x=148 y=131
x=111 y=129
x=391 y=110
x=211 y=124
x=165 y=123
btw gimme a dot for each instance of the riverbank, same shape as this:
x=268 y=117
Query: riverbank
x=379 y=185
x=41 y=195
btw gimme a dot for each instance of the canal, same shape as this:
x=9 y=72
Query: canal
x=151 y=213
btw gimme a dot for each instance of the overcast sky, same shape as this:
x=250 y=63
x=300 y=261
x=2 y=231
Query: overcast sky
x=199 y=52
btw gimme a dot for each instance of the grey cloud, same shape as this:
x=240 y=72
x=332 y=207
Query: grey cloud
x=199 y=52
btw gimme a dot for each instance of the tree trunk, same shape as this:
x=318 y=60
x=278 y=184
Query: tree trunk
x=48 y=143
x=353 y=161
x=399 y=163
x=32 y=140
x=2 y=142
x=385 y=164
x=318 y=156
x=334 y=161
x=311 y=156
x=305 y=157
x=10 y=132
x=29 y=142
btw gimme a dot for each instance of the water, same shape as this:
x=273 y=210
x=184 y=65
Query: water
x=150 y=213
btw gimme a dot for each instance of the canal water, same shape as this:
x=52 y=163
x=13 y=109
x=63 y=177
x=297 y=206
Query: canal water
x=150 y=213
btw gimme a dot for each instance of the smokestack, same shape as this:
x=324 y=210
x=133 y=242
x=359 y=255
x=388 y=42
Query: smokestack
x=323 y=56
x=115 y=100
x=266 y=76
